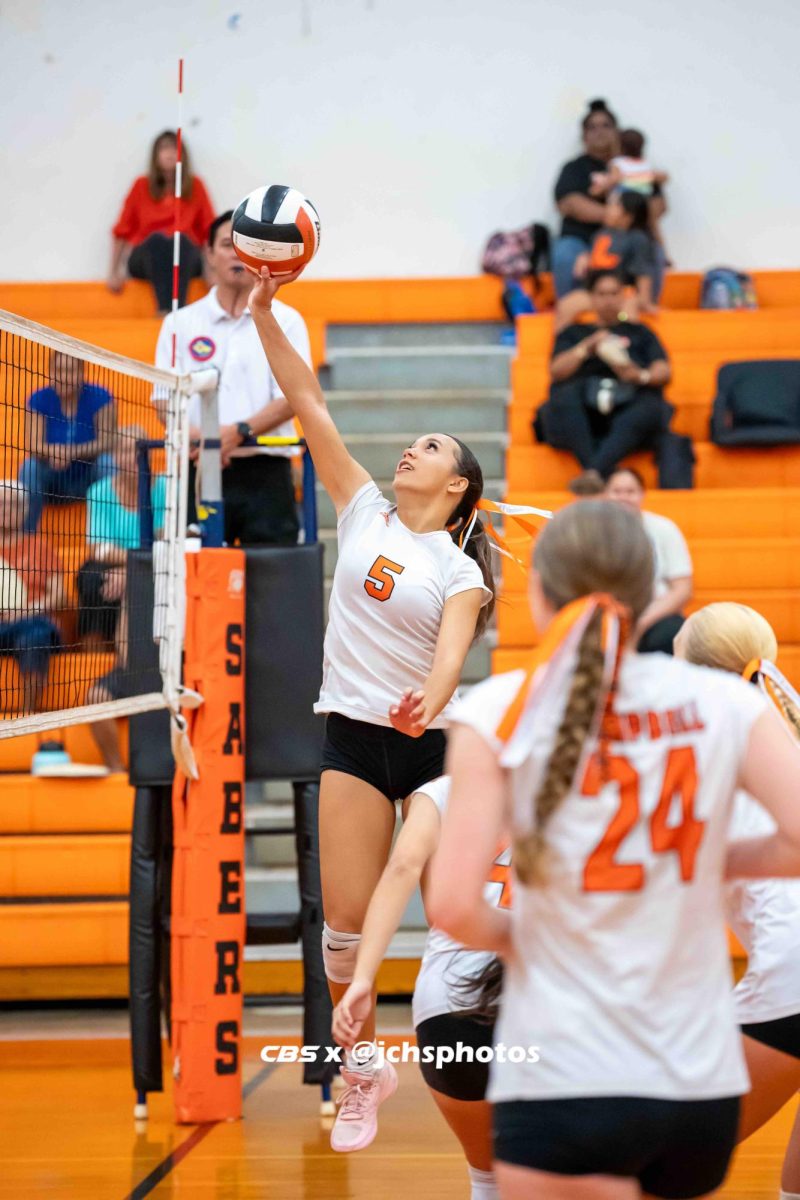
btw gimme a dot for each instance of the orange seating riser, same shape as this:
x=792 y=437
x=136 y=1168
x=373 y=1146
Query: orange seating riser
x=536 y=467
x=67 y=681
x=515 y=625
x=65 y=865
x=508 y=659
x=727 y=563
x=16 y=753
x=37 y=935
x=46 y=805
x=715 y=512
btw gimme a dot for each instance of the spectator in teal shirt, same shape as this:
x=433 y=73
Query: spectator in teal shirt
x=112 y=529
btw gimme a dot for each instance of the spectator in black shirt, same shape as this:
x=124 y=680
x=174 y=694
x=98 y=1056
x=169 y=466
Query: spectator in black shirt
x=625 y=245
x=582 y=213
x=607 y=379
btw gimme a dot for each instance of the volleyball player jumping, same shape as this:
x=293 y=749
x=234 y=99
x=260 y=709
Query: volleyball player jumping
x=412 y=589
x=441 y=1000
x=616 y=774
x=764 y=913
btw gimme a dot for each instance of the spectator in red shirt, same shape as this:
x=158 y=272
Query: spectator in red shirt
x=31 y=593
x=143 y=234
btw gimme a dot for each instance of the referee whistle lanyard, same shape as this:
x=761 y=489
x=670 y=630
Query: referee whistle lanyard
x=552 y=665
x=775 y=686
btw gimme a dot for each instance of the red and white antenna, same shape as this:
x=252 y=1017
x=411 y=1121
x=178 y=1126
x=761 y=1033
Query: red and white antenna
x=176 y=237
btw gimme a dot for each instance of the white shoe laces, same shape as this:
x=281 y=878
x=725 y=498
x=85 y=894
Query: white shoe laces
x=355 y=1099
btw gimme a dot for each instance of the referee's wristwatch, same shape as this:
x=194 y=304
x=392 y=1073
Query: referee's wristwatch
x=244 y=430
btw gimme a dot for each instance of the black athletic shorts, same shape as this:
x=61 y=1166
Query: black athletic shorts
x=461 y=1080
x=783 y=1034
x=392 y=762
x=677 y=1149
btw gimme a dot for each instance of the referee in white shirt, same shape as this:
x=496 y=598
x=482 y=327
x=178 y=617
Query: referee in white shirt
x=218 y=331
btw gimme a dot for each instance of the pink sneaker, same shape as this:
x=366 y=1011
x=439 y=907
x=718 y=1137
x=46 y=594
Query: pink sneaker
x=357 y=1120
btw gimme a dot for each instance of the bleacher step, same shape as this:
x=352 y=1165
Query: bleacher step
x=416 y=334
x=64 y=865
x=460 y=411
x=419 y=367
x=31 y=804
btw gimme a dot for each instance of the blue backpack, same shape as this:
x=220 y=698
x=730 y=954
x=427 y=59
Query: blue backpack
x=726 y=288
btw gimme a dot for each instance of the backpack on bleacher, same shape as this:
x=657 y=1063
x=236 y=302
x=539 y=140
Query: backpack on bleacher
x=727 y=288
x=518 y=253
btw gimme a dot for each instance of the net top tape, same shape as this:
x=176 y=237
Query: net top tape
x=197 y=381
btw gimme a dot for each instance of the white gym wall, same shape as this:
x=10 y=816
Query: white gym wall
x=417 y=127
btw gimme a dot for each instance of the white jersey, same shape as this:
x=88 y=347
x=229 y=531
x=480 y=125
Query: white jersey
x=389 y=592
x=445 y=962
x=620 y=971
x=765 y=916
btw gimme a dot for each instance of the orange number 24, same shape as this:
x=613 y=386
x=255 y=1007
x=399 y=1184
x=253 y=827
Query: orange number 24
x=380 y=581
x=602 y=872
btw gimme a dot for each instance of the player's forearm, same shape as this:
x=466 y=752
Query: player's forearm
x=294 y=377
x=277 y=412
x=478 y=926
x=389 y=901
x=774 y=857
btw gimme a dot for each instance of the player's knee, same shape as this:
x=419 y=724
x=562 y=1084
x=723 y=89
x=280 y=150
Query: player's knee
x=339 y=951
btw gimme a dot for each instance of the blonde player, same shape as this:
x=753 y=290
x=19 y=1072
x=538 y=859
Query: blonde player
x=765 y=914
x=615 y=773
x=442 y=993
x=413 y=588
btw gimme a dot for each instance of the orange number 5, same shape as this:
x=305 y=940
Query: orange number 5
x=602 y=872
x=380 y=582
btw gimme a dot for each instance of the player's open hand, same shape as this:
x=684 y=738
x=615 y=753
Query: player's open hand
x=266 y=288
x=351 y=1012
x=410 y=715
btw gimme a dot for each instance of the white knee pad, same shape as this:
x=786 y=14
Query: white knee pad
x=339 y=952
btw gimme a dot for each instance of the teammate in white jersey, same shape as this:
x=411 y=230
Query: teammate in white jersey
x=615 y=773
x=444 y=1021
x=764 y=914
x=413 y=588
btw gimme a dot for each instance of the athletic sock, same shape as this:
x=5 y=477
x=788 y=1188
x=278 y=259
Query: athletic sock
x=352 y=1063
x=483 y=1184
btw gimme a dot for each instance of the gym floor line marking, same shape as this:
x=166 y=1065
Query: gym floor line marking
x=198 y=1135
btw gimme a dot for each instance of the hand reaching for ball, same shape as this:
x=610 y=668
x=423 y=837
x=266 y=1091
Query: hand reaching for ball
x=266 y=288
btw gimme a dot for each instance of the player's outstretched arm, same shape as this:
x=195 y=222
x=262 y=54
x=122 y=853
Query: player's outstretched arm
x=771 y=773
x=412 y=852
x=339 y=472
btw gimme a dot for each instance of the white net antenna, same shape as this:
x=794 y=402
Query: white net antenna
x=94 y=462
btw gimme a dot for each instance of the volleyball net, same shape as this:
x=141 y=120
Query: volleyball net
x=94 y=454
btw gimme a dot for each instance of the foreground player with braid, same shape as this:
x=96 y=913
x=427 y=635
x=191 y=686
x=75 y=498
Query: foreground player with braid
x=616 y=774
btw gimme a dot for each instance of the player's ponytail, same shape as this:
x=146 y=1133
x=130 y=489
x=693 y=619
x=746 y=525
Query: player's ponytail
x=529 y=852
x=468 y=531
x=590 y=549
x=480 y=993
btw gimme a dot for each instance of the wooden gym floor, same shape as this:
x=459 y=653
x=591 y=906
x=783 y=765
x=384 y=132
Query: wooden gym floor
x=67 y=1131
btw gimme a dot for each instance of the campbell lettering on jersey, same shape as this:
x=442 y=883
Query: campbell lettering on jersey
x=630 y=727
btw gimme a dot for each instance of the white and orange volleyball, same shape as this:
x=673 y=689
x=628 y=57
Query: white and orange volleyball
x=276 y=227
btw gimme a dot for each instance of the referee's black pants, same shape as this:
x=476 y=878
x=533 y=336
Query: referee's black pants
x=259 y=500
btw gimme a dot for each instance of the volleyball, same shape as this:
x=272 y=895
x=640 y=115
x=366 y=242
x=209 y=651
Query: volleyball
x=276 y=227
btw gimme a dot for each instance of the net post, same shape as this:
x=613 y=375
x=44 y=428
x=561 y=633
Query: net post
x=210 y=508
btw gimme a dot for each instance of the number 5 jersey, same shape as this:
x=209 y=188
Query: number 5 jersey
x=389 y=592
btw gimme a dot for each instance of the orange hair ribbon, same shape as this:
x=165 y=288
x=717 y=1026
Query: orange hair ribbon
x=555 y=657
x=770 y=680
